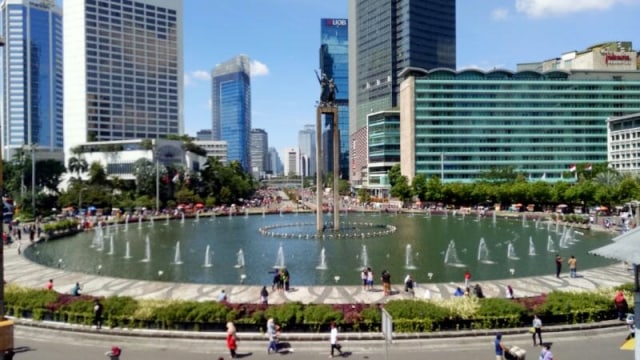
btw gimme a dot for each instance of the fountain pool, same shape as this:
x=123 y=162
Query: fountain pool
x=418 y=247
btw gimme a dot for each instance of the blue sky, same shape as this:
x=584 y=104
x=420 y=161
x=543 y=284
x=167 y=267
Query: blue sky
x=282 y=38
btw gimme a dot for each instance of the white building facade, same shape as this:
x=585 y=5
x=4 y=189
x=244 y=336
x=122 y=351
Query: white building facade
x=124 y=70
x=623 y=143
x=291 y=161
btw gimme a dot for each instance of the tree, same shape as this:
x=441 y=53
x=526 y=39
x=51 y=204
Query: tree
x=363 y=196
x=402 y=190
x=434 y=189
x=419 y=187
x=394 y=174
x=145 y=173
x=97 y=174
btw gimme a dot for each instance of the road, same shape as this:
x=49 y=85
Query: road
x=57 y=345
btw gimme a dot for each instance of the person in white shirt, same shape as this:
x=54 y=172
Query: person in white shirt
x=333 y=339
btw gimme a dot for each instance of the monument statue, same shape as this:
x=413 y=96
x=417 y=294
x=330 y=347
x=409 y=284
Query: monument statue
x=333 y=89
x=326 y=89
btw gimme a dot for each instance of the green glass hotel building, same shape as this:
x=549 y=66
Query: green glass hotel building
x=459 y=124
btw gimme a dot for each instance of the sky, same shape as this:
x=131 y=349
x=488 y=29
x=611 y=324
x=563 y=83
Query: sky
x=282 y=39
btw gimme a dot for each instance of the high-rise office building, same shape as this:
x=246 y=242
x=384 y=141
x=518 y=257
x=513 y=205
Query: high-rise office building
x=275 y=163
x=334 y=62
x=458 y=125
x=386 y=37
x=307 y=145
x=291 y=161
x=32 y=76
x=259 y=152
x=204 y=134
x=123 y=70
x=231 y=100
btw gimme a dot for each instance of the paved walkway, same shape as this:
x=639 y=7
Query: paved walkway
x=23 y=272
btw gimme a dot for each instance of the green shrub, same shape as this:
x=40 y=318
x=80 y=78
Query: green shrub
x=416 y=316
x=499 y=313
x=317 y=315
x=23 y=299
x=286 y=314
x=576 y=307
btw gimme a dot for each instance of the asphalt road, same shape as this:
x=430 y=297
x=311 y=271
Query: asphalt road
x=58 y=345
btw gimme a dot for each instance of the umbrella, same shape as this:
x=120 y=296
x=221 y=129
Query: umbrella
x=563 y=205
x=199 y=205
x=92 y=208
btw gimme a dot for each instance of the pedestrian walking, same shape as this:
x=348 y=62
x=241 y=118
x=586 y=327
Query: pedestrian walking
x=272 y=332
x=76 y=289
x=509 y=292
x=264 y=296
x=499 y=347
x=49 y=285
x=114 y=353
x=573 y=265
x=97 y=313
x=546 y=353
x=232 y=340
x=558 y=265
x=370 y=279
x=621 y=305
x=408 y=284
x=536 y=328
x=467 y=278
x=386 y=282
x=363 y=277
x=333 y=339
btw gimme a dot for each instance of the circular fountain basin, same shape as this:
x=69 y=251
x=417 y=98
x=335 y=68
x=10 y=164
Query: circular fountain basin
x=233 y=250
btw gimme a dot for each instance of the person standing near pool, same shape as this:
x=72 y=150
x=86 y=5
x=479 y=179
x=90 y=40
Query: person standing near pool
x=558 y=265
x=573 y=265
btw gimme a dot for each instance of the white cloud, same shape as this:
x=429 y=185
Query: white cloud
x=542 y=8
x=193 y=77
x=499 y=14
x=258 y=68
x=201 y=75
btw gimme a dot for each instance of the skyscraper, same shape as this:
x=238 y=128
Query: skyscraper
x=231 y=99
x=32 y=75
x=307 y=145
x=386 y=37
x=124 y=69
x=259 y=152
x=334 y=62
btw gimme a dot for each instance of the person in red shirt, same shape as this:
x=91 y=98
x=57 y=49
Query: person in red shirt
x=49 y=285
x=232 y=344
x=467 y=278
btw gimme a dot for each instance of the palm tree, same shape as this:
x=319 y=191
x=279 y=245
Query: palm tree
x=78 y=165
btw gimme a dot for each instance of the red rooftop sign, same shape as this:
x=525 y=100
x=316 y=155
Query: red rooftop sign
x=614 y=59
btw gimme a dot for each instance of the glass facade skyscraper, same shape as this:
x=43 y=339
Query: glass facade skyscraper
x=32 y=75
x=231 y=102
x=124 y=70
x=388 y=36
x=259 y=152
x=334 y=62
x=459 y=125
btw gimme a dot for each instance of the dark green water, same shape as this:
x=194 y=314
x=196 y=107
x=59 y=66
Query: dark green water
x=428 y=238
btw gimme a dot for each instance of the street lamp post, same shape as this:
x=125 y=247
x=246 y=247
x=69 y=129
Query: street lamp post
x=80 y=198
x=33 y=178
x=6 y=326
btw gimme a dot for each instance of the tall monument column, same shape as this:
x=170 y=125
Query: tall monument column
x=328 y=109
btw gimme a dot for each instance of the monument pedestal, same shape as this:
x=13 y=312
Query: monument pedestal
x=6 y=336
